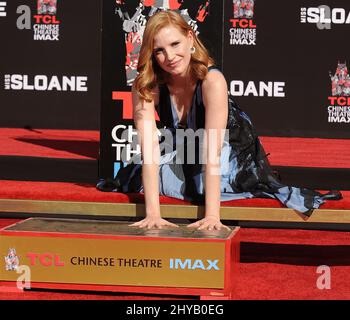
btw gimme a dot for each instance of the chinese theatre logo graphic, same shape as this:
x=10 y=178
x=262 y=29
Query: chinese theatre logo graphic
x=243 y=9
x=243 y=28
x=340 y=81
x=339 y=102
x=134 y=26
x=11 y=260
x=47 y=7
x=47 y=25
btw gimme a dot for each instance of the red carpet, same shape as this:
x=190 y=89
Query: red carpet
x=49 y=143
x=72 y=156
x=75 y=144
x=308 y=152
x=275 y=265
x=87 y=192
x=282 y=264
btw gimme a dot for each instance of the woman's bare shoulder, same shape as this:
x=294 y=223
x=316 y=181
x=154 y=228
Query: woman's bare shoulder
x=214 y=80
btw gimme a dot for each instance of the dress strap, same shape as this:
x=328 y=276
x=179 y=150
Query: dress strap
x=164 y=108
x=213 y=67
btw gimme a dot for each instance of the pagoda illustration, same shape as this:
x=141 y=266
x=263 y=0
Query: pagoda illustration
x=11 y=260
x=47 y=7
x=340 y=81
x=243 y=9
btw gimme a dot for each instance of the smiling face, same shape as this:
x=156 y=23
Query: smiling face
x=172 y=50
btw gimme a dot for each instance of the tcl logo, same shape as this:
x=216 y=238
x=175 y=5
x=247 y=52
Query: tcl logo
x=44 y=259
x=46 y=19
x=243 y=23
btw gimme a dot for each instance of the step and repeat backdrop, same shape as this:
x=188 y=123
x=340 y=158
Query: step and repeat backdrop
x=50 y=63
x=70 y=64
x=285 y=64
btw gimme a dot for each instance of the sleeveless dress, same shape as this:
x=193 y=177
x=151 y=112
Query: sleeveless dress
x=245 y=169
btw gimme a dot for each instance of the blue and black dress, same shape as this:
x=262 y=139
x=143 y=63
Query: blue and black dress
x=245 y=169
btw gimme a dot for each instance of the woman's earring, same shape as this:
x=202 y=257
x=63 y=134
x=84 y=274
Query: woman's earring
x=193 y=50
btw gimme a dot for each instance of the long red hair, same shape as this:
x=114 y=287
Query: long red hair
x=150 y=74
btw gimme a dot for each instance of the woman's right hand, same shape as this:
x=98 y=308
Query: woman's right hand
x=153 y=222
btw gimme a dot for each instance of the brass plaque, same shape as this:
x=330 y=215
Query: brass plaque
x=113 y=253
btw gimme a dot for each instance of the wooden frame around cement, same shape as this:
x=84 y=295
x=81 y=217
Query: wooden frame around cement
x=104 y=209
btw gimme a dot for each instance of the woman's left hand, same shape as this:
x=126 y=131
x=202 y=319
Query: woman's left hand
x=208 y=223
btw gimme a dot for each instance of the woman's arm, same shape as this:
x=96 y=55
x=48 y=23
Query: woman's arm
x=145 y=124
x=215 y=98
